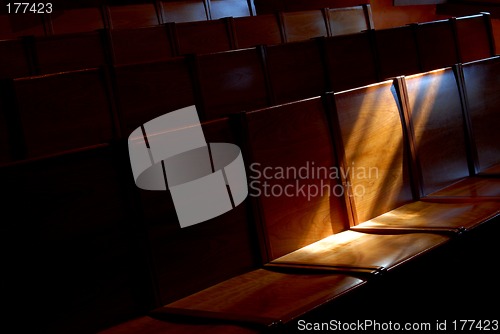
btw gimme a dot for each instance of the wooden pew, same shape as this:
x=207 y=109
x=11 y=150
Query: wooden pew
x=373 y=145
x=203 y=36
x=64 y=111
x=437 y=46
x=18 y=25
x=303 y=25
x=296 y=70
x=70 y=52
x=141 y=45
x=481 y=84
x=396 y=58
x=343 y=54
x=132 y=16
x=439 y=139
x=184 y=11
x=230 y=82
x=257 y=30
x=474 y=37
x=146 y=91
x=349 y=20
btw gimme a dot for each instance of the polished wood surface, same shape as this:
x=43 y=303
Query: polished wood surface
x=478 y=188
x=257 y=30
x=430 y=216
x=397 y=52
x=146 y=91
x=139 y=45
x=343 y=55
x=75 y=106
x=231 y=82
x=303 y=25
x=356 y=251
x=294 y=136
x=372 y=141
x=438 y=129
x=437 y=45
x=349 y=20
x=296 y=71
x=482 y=81
x=274 y=295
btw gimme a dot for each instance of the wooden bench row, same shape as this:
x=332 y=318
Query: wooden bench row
x=64 y=18
x=392 y=172
x=95 y=106
x=423 y=157
x=42 y=55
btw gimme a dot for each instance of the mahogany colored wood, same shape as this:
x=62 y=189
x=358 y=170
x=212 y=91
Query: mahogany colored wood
x=475 y=37
x=344 y=54
x=360 y=252
x=18 y=25
x=397 y=52
x=132 y=16
x=375 y=157
x=63 y=111
x=140 y=45
x=273 y=6
x=481 y=81
x=303 y=25
x=70 y=52
x=296 y=70
x=349 y=20
x=146 y=91
x=294 y=136
x=184 y=11
x=204 y=36
x=257 y=30
x=436 y=44
x=231 y=82
x=262 y=293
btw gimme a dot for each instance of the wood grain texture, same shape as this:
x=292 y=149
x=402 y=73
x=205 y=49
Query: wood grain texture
x=439 y=131
x=263 y=293
x=352 y=251
x=304 y=25
x=372 y=138
x=433 y=216
x=348 y=20
x=295 y=137
x=482 y=84
x=257 y=30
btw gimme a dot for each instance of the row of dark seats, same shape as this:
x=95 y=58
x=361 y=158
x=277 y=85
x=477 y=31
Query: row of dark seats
x=42 y=55
x=95 y=106
x=420 y=162
x=63 y=17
